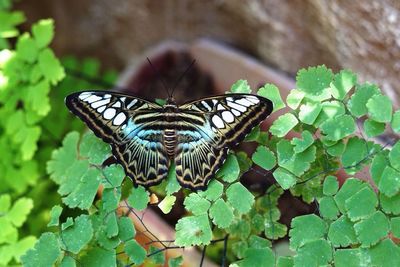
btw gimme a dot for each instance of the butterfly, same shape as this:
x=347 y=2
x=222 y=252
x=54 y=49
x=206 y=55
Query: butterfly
x=146 y=137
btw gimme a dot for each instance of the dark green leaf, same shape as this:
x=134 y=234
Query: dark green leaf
x=380 y=225
x=93 y=148
x=341 y=232
x=77 y=236
x=126 y=229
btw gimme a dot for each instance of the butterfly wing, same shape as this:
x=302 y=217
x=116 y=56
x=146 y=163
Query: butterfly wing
x=216 y=125
x=123 y=122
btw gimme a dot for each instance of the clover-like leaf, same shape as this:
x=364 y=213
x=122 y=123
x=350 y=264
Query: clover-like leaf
x=196 y=204
x=50 y=66
x=271 y=92
x=241 y=86
x=358 y=101
x=302 y=144
x=314 y=79
x=221 y=214
x=193 y=230
x=305 y=229
x=294 y=98
x=380 y=108
x=342 y=83
x=239 y=197
x=135 y=251
x=230 y=170
x=138 y=198
x=264 y=158
x=338 y=127
x=283 y=125
x=44 y=253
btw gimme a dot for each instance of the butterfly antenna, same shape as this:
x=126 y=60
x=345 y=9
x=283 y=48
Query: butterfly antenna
x=182 y=75
x=159 y=77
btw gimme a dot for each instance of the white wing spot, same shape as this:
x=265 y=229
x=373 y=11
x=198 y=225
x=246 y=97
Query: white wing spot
x=218 y=122
x=100 y=103
x=117 y=104
x=236 y=106
x=109 y=113
x=123 y=99
x=228 y=116
x=253 y=99
x=119 y=119
x=101 y=109
x=107 y=96
x=92 y=98
x=244 y=102
x=229 y=99
x=123 y=126
x=84 y=95
x=214 y=101
x=235 y=112
x=204 y=103
x=220 y=107
x=133 y=102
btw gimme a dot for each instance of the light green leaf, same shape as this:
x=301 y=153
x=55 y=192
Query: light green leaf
x=50 y=66
x=240 y=198
x=281 y=126
x=241 y=86
x=328 y=208
x=138 y=198
x=348 y=189
x=259 y=242
x=126 y=229
x=167 y=203
x=285 y=261
x=395 y=123
x=358 y=102
x=395 y=226
x=338 y=127
x=337 y=149
x=172 y=183
x=77 y=236
x=373 y=128
x=110 y=198
x=264 y=158
x=68 y=261
x=314 y=80
x=285 y=178
x=380 y=108
x=294 y=98
x=378 y=164
x=93 y=148
x=274 y=230
x=45 y=252
x=385 y=254
x=213 y=192
x=390 y=204
x=302 y=144
x=380 y=225
x=389 y=183
x=271 y=92
x=262 y=257
x=5 y=203
x=350 y=257
x=305 y=229
x=230 y=170
x=135 y=251
x=394 y=156
x=330 y=109
x=175 y=262
x=19 y=211
x=295 y=163
x=158 y=256
x=221 y=214
x=361 y=204
x=341 y=232
x=196 y=204
x=193 y=230
x=342 y=83
x=330 y=186
x=309 y=112
x=43 y=31
x=26 y=48
x=55 y=216
x=314 y=253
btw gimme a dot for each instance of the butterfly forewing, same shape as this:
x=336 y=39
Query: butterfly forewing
x=126 y=123
x=226 y=120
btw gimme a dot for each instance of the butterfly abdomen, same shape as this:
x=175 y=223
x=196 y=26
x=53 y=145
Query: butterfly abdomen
x=170 y=142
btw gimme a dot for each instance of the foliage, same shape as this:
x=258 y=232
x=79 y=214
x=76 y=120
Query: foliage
x=356 y=222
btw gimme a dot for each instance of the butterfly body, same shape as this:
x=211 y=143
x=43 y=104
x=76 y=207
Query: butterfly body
x=145 y=137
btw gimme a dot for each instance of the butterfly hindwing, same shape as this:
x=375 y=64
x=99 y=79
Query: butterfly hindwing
x=123 y=122
x=219 y=123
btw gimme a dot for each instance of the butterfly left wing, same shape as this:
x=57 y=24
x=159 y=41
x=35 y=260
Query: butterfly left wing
x=209 y=127
x=125 y=123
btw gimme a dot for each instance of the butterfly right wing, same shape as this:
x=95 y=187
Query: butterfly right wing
x=123 y=122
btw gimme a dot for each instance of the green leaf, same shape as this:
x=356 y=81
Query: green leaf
x=337 y=149
x=221 y=214
x=281 y=126
x=274 y=230
x=166 y=204
x=136 y=252
x=213 y=192
x=341 y=232
x=361 y=204
x=350 y=257
x=338 y=127
x=258 y=242
x=285 y=178
x=244 y=161
x=395 y=123
x=348 y=189
x=314 y=80
x=271 y=92
x=240 y=229
x=138 y=198
x=68 y=261
x=380 y=108
x=358 y=102
x=262 y=257
x=126 y=229
x=330 y=109
x=45 y=252
x=390 y=204
x=55 y=216
x=314 y=253
x=342 y=83
x=19 y=211
x=193 y=230
x=373 y=128
x=253 y=135
x=394 y=156
x=330 y=186
x=98 y=257
x=302 y=144
x=390 y=182
x=239 y=248
x=38 y=99
x=378 y=164
x=294 y=98
x=196 y=204
x=43 y=31
x=285 y=262
x=309 y=112
x=77 y=236
x=175 y=262
x=230 y=170
x=328 y=208
x=50 y=66
x=26 y=48
x=172 y=183
x=158 y=256
x=240 y=198
x=297 y=163
x=395 y=226
x=111 y=225
x=93 y=148
x=385 y=254
x=380 y=225
x=5 y=203
x=305 y=229
x=110 y=198
x=113 y=176
x=241 y=87
x=264 y=158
